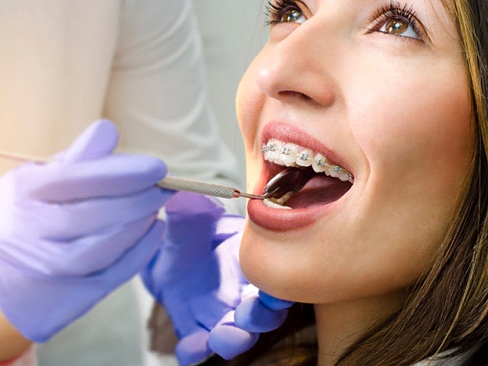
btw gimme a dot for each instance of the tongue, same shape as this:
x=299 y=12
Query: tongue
x=319 y=190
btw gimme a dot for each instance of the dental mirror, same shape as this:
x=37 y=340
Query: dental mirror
x=286 y=181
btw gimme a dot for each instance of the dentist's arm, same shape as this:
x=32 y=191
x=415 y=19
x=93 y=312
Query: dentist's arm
x=12 y=343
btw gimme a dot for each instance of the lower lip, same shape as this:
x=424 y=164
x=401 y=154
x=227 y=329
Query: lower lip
x=285 y=220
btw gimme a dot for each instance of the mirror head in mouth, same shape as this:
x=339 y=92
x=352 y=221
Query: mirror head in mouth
x=301 y=178
x=302 y=188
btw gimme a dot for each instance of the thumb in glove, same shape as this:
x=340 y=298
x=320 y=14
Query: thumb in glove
x=239 y=330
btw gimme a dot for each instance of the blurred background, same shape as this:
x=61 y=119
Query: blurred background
x=232 y=32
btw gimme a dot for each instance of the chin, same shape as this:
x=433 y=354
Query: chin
x=272 y=269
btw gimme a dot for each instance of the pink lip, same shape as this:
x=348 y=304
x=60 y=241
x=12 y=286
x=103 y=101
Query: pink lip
x=286 y=220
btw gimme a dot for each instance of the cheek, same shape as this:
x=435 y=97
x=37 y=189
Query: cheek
x=426 y=140
x=419 y=151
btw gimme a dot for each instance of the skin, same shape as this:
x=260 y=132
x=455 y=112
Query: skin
x=12 y=342
x=396 y=110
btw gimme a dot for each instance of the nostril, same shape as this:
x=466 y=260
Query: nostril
x=294 y=94
x=290 y=95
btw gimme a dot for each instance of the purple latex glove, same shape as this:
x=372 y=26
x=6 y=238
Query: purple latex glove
x=73 y=230
x=257 y=313
x=197 y=278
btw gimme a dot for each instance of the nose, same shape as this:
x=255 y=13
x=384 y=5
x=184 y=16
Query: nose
x=299 y=66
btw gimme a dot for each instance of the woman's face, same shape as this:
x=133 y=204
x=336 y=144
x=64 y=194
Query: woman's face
x=378 y=89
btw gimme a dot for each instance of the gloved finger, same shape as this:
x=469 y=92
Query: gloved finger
x=64 y=222
x=81 y=256
x=134 y=259
x=228 y=226
x=272 y=302
x=208 y=309
x=81 y=293
x=174 y=279
x=211 y=289
x=191 y=222
x=193 y=348
x=98 y=140
x=232 y=278
x=253 y=316
x=228 y=341
x=110 y=176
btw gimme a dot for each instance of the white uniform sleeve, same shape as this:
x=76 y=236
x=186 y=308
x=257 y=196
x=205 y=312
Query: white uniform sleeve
x=157 y=92
x=138 y=63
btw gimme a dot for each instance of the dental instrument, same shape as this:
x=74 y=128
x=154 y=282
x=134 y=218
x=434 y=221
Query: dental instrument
x=274 y=188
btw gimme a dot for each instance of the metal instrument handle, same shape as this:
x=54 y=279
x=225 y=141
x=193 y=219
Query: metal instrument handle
x=173 y=183
x=210 y=189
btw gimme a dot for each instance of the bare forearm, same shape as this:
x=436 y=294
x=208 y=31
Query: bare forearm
x=12 y=343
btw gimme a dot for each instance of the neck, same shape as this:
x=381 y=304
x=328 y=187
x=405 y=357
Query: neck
x=339 y=325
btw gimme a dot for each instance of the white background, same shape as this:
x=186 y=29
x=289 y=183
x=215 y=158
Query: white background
x=233 y=31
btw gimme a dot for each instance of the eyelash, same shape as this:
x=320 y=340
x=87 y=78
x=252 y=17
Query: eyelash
x=395 y=10
x=276 y=9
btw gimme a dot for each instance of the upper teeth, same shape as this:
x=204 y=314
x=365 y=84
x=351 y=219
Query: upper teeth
x=290 y=154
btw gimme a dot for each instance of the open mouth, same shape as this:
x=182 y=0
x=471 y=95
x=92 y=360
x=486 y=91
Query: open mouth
x=307 y=178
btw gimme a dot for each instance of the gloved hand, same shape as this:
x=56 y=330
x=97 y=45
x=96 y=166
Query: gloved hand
x=257 y=313
x=73 y=230
x=197 y=278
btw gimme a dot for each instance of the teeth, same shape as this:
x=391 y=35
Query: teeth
x=320 y=163
x=269 y=203
x=289 y=154
x=305 y=158
x=292 y=155
x=273 y=150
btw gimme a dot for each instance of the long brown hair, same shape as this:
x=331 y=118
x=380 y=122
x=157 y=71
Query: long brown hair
x=448 y=308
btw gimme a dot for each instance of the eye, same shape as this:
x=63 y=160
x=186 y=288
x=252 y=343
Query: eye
x=293 y=16
x=399 y=27
x=399 y=21
x=285 y=11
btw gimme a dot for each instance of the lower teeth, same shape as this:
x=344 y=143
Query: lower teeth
x=273 y=204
